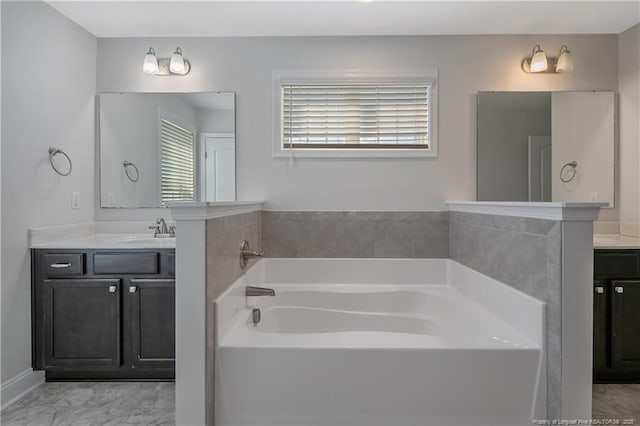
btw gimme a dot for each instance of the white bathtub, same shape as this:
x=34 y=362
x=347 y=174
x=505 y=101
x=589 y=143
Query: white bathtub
x=378 y=342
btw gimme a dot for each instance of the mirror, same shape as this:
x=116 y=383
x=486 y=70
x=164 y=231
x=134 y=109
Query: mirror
x=157 y=148
x=546 y=146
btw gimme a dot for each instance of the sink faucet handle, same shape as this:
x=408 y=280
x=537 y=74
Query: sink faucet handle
x=156 y=229
x=172 y=230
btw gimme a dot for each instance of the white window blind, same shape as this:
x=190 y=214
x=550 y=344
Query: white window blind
x=354 y=116
x=177 y=162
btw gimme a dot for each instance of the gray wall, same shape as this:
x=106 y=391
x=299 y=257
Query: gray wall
x=629 y=89
x=466 y=65
x=355 y=234
x=46 y=102
x=223 y=268
x=525 y=254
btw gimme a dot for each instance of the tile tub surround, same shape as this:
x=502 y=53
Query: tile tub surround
x=223 y=237
x=526 y=254
x=545 y=250
x=356 y=234
x=193 y=270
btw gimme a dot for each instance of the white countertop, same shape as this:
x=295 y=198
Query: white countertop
x=109 y=241
x=615 y=241
x=98 y=235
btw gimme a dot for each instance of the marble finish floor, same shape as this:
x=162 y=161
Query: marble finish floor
x=153 y=403
x=617 y=401
x=93 y=404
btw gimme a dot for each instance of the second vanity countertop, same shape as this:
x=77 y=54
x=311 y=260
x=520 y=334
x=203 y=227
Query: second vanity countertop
x=615 y=241
x=98 y=235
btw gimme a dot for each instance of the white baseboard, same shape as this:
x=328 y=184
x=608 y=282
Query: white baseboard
x=630 y=229
x=15 y=388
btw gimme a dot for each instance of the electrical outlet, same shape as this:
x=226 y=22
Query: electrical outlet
x=75 y=200
x=111 y=199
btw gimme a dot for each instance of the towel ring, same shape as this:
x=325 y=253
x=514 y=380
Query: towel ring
x=126 y=165
x=573 y=166
x=55 y=151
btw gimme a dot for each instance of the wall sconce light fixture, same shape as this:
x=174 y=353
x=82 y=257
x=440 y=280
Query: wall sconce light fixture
x=540 y=63
x=176 y=65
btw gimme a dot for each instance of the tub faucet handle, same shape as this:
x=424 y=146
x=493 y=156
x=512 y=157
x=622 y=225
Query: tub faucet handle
x=246 y=253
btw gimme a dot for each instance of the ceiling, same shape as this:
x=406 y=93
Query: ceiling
x=347 y=17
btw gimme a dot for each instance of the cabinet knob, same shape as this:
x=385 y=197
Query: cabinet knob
x=619 y=289
x=112 y=288
x=599 y=290
x=133 y=289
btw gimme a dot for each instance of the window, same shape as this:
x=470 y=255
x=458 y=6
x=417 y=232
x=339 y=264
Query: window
x=177 y=162
x=324 y=115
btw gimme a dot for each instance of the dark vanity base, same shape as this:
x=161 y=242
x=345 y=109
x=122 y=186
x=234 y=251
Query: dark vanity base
x=616 y=322
x=103 y=314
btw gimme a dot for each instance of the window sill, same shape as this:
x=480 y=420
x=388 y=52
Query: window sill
x=355 y=153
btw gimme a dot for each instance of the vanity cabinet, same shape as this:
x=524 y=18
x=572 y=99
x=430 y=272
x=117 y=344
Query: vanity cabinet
x=616 y=316
x=103 y=314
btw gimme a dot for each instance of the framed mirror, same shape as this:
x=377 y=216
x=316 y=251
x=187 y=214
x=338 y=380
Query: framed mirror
x=546 y=146
x=158 y=148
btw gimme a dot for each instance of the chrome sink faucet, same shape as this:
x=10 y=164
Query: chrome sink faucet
x=161 y=230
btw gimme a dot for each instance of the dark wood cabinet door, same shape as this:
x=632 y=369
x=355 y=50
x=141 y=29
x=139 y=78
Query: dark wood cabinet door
x=600 y=329
x=625 y=324
x=82 y=322
x=153 y=322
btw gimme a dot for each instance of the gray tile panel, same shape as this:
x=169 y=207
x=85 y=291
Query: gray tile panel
x=525 y=254
x=358 y=234
x=223 y=239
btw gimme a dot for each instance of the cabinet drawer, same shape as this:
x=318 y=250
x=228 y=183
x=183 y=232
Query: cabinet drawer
x=63 y=264
x=616 y=264
x=125 y=263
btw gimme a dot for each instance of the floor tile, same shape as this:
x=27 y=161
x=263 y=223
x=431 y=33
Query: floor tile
x=94 y=404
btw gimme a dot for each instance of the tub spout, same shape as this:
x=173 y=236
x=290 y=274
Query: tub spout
x=259 y=291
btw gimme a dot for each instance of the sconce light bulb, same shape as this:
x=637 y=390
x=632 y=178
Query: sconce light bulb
x=538 y=61
x=150 y=65
x=565 y=60
x=177 y=62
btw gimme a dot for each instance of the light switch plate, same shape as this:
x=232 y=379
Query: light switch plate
x=75 y=200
